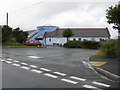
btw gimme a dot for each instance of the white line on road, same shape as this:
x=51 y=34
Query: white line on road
x=33 y=66
x=77 y=78
x=23 y=67
x=16 y=64
x=34 y=57
x=50 y=75
x=16 y=61
x=69 y=81
x=59 y=73
x=89 y=86
x=2 y=60
x=24 y=63
x=101 y=84
x=44 y=69
x=9 y=59
x=8 y=62
x=37 y=71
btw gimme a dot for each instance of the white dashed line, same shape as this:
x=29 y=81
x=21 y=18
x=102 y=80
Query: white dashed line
x=16 y=61
x=34 y=57
x=24 y=63
x=33 y=66
x=62 y=74
x=9 y=59
x=37 y=71
x=77 y=78
x=50 y=75
x=89 y=86
x=44 y=69
x=2 y=60
x=101 y=84
x=69 y=81
x=23 y=67
x=16 y=64
x=8 y=62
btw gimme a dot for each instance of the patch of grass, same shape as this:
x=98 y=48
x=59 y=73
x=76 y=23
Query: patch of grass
x=99 y=54
x=18 y=45
x=26 y=46
x=11 y=44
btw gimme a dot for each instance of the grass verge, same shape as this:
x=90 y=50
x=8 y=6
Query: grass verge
x=99 y=54
x=18 y=45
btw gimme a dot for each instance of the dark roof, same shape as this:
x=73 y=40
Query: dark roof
x=81 y=32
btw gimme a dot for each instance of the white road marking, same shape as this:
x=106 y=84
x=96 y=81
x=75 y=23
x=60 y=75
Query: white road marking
x=16 y=64
x=69 y=81
x=16 y=61
x=24 y=63
x=89 y=86
x=101 y=84
x=8 y=62
x=59 y=73
x=9 y=59
x=2 y=60
x=77 y=78
x=33 y=66
x=44 y=69
x=37 y=71
x=34 y=57
x=23 y=67
x=50 y=75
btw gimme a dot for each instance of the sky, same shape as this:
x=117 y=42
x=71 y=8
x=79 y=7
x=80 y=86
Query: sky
x=28 y=14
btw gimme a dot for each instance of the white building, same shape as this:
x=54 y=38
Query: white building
x=54 y=35
x=94 y=34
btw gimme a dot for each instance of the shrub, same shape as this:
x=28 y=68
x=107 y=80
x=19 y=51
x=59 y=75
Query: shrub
x=90 y=44
x=73 y=44
x=110 y=48
x=82 y=44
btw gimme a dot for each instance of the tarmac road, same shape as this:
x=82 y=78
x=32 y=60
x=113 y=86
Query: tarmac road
x=52 y=67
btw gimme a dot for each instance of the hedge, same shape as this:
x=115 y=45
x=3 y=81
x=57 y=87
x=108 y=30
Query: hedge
x=82 y=44
x=111 y=48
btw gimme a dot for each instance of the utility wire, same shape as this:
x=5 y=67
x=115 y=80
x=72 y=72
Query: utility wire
x=18 y=10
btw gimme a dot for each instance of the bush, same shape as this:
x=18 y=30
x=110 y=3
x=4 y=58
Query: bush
x=82 y=44
x=90 y=44
x=73 y=44
x=111 y=48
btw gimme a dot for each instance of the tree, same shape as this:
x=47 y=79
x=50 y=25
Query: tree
x=19 y=35
x=67 y=33
x=113 y=16
x=22 y=37
x=0 y=34
x=6 y=33
x=13 y=35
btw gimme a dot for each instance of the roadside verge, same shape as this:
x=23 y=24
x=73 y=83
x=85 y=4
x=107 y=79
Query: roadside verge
x=103 y=71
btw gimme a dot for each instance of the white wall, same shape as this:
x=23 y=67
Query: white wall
x=62 y=40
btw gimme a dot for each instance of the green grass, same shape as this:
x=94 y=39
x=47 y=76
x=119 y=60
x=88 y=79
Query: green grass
x=26 y=46
x=18 y=45
x=99 y=54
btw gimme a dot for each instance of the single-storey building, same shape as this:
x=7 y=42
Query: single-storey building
x=51 y=35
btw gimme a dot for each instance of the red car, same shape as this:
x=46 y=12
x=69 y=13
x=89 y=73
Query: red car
x=33 y=43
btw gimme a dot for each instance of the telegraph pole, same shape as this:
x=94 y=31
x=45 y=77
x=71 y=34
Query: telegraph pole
x=7 y=19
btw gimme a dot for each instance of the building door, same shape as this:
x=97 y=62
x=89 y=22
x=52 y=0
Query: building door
x=79 y=39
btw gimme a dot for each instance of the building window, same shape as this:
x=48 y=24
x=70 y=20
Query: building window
x=101 y=39
x=84 y=40
x=74 y=39
x=50 y=39
x=79 y=39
